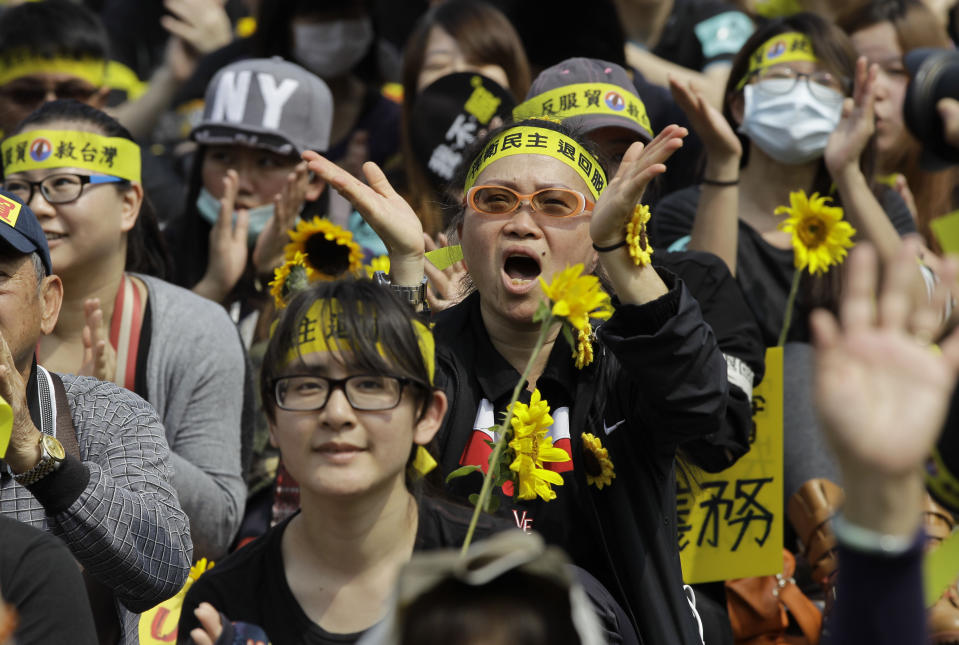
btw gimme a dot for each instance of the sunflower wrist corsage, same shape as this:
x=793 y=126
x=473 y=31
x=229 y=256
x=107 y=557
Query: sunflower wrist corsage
x=636 y=238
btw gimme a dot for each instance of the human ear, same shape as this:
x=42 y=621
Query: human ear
x=51 y=298
x=273 y=441
x=132 y=200
x=434 y=410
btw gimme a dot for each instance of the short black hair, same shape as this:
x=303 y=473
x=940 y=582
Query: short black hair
x=370 y=320
x=51 y=29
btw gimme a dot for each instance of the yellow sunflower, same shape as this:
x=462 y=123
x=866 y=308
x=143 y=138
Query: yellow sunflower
x=820 y=237
x=379 y=263
x=288 y=279
x=329 y=249
x=636 y=239
x=201 y=567
x=596 y=462
x=584 y=348
x=577 y=297
x=532 y=446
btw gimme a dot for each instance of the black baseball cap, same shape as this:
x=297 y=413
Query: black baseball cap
x=20 y=229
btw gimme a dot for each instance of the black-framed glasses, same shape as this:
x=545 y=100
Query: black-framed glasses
x=822 y=84
x=307 y=392
x=57 y=189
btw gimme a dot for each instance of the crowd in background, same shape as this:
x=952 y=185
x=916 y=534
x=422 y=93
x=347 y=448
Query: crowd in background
x=270 y=271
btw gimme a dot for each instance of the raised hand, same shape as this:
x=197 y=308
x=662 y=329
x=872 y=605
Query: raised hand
x=446 y=287
x=196 y=27
x=390 y=216
x=228 y=245
x=268 y=251
x=639 y=166
x=718 y=137
x=99 y=357
x=24 y=449
x=857 y=125
x=882 y=392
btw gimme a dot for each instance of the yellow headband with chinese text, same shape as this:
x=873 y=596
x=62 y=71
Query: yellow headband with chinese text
x=320 y=331
x=781 y=48
x=38 y=149
x=95 y=71
x=586 y=99
x=531 y=140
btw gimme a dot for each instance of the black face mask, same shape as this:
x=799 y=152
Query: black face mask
x=448 y=115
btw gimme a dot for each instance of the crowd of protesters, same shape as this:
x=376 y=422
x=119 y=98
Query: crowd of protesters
x=356 y=321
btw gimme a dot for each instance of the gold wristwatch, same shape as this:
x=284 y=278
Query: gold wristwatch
x=51 y=456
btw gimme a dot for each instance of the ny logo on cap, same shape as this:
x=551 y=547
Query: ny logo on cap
x=232 y=97
x=9 y=210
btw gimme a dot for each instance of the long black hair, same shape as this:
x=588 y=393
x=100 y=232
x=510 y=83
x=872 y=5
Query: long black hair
x=146 y=250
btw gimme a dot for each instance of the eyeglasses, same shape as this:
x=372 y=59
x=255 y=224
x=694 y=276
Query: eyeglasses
x=554 y=202
x=306 y=392
x=822 y=84
x=33 y=95
x=57 y=189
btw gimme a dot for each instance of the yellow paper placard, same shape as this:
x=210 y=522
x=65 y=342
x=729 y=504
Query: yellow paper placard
x=731 y=523
x=158 y=626
x=445 y=256
x=6 y=426
x=9 y=211
x=946 y=230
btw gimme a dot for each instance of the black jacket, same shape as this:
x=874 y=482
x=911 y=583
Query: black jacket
x=658 y=380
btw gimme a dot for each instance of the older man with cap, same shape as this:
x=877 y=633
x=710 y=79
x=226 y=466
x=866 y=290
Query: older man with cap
x=598 y=98
x=86 y=459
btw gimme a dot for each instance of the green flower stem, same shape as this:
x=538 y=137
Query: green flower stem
x=487 y=488
x=790 y=304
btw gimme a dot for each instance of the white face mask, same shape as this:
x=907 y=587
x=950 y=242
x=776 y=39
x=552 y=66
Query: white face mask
x=791 y=128
x=331 y=49
x=209 y=207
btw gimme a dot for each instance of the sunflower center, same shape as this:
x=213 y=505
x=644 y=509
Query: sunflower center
x=812 y=232
x=591 y=464
x=326 y=256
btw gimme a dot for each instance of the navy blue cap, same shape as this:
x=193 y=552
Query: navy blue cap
x=20 y=229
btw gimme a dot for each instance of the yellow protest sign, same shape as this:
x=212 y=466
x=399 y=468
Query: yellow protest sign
x=6 y=426
x=731 y=523
x=158 y=625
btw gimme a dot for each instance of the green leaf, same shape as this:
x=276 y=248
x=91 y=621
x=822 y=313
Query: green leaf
x=493 y=505
x=474 y=498
x=568 y=335
x=461 y=472
x=542 y=311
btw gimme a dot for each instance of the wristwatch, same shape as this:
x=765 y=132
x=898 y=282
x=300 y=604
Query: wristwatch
x=51 y=456
x=416 y=296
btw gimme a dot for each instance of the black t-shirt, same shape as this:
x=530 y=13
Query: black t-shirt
x=250 y=585
x=699 y=33
x=41 y=579
x=764 y=272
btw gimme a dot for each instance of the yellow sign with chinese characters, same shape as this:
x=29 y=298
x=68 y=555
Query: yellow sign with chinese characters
x=731 y=523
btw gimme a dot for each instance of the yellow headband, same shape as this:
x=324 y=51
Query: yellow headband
x=586 y=99
x=92 y=70
x=320 y=331
x=781 y=48
x=38 y=149
x=530 y=140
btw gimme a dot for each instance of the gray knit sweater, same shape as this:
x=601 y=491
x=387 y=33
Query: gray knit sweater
x=195 y=374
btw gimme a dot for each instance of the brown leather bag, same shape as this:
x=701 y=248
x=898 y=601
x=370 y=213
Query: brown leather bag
x=757 y=609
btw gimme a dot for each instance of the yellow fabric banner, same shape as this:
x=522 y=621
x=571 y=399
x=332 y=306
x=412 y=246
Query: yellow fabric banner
x=158 y=625
x=731 y=523
x=578 y=99
x=781 y=48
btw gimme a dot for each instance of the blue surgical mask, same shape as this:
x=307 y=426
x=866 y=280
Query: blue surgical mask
x=209 y=207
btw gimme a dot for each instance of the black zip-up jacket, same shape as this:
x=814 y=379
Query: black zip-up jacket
x=658 y=380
